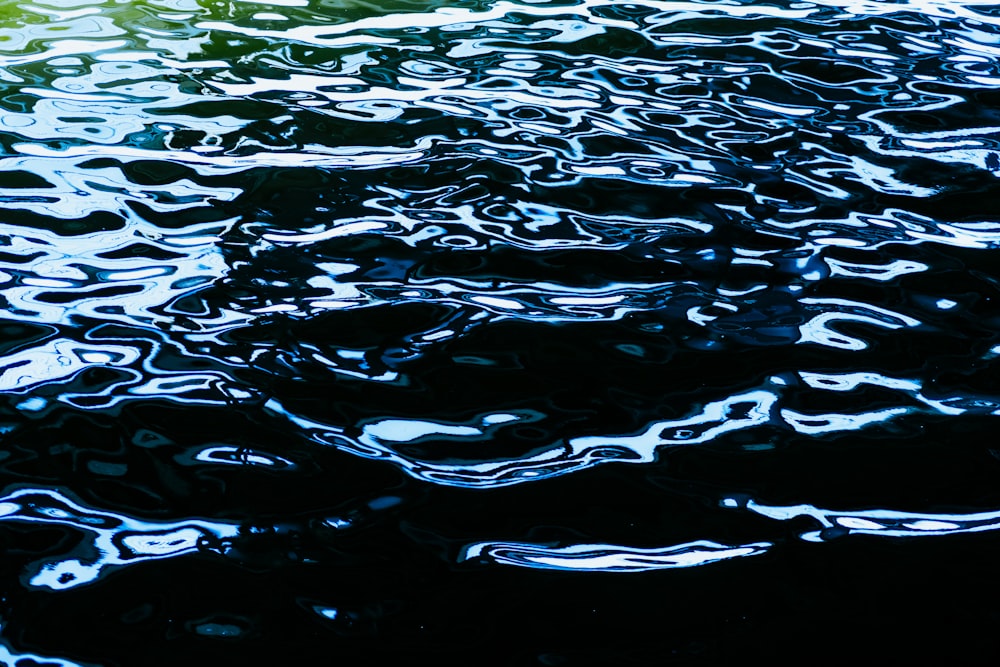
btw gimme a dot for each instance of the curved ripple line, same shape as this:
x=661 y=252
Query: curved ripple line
x=608 y=557
x=57 y=360
x=388 y=438
x=879 y=522
x=381 y=440
x=219 y=180
x=448 y=16
x=316 y=156
x=115 y=540
x=9 y=657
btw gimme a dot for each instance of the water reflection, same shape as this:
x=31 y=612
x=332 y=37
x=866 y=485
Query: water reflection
x=112 y=540
x=880 y=522
x=491 y=248
x=609 y=558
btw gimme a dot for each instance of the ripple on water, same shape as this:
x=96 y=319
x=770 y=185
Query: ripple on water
x=490 y=248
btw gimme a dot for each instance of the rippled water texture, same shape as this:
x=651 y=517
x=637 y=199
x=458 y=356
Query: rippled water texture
x=502 y=328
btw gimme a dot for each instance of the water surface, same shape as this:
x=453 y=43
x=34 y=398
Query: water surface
x=553 y=332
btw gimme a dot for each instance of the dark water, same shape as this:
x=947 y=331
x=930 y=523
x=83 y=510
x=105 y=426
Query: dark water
x=528 y=333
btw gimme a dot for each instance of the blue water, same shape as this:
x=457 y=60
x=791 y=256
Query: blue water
x=528 y=333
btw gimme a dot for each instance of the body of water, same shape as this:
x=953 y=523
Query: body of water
x=527 y=333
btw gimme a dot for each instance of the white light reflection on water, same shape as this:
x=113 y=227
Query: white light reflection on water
x=114 y=540
x=72 y=191
x=879 y=522
x=386 y=439
x=520 y=132
x=819 y=330
x=381 y=440
x=57 y=360
x=816 y=424
x=317 y=156
x=9 y=657
x=444 y=17
x=609 y=557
